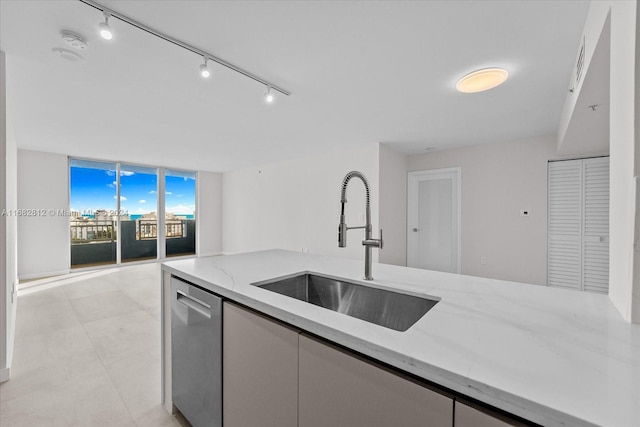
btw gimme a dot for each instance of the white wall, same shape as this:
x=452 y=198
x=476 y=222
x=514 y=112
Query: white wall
x=624 y=282
x=598 y=11
x=295 y=204
x=4 y=289
x=209 y=221
x=622 y=133
x=8 y=232
x=43 y=244
x=635 y=311
x=393 y=206
x=43 y=183
x=498 y=180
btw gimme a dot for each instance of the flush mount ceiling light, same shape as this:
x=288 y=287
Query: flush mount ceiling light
x=204 y=69
x=103 y=28
x=481 y=80
x=105 y=32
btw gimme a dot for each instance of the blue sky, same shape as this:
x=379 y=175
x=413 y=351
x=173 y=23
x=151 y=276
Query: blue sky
x=93 y=189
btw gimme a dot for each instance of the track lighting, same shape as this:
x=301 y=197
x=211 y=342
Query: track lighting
x=104 y=28
x=204 y=69
x=268 y=97
x=106 y=33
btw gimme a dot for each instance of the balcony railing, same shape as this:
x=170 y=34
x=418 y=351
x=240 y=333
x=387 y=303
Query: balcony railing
x=87 y=233
x=97 y=243
x=148 y=229
x=145 y=229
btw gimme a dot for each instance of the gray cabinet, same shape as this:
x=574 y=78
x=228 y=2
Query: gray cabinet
x=275 y=376
x=339 y=389
x=260 y=370
x=466 y=416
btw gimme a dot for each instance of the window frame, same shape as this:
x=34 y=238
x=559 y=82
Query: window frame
x=161 y=255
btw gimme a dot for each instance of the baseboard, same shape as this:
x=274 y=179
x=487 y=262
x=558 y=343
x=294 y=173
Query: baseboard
x=5 y=374
x=211 y=254
x=43 y=275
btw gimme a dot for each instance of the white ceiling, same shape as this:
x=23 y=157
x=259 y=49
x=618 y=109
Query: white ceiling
x=360 y=73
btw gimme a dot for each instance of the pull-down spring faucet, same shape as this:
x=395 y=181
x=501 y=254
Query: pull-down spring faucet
x=368 y=242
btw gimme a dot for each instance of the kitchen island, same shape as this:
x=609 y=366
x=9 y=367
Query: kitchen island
x=549 y=356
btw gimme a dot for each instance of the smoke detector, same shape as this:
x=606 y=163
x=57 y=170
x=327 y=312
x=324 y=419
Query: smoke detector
x=66 y=54
x=74 y=40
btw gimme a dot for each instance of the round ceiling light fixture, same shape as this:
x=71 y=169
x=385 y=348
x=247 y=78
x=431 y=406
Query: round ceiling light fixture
x=481 y=80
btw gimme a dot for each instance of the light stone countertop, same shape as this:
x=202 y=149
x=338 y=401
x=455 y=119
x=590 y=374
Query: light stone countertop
x=555 y=357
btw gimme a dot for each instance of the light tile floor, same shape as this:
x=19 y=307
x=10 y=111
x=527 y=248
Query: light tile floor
x=87 y=352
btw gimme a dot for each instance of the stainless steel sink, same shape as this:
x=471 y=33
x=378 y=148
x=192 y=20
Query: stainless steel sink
x=386 y=308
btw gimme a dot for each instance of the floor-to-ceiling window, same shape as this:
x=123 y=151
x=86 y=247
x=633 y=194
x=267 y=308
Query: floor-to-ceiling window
x=117 y=213
x=139 y=199
x=93 y=199
x=180 y=212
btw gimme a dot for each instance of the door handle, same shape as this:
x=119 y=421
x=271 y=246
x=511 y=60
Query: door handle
x=194 y=304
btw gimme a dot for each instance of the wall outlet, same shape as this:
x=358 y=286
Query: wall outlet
x=525 y=212
x=304 y=250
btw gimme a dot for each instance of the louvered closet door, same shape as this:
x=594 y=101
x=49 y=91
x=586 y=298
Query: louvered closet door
x=564 y=266
x=578 y=224
x=595 y=270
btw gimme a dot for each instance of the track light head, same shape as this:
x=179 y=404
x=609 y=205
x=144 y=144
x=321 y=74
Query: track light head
x=268 y=97
x=104 y=29
x=204 y=69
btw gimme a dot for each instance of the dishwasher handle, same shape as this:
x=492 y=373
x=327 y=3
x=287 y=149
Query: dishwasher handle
x=194 y=304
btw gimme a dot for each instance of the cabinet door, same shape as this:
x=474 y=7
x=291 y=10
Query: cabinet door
x=260 y=370
x=467 y=416
x=338 y=389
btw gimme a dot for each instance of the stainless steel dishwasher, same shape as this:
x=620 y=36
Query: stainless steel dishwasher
x=196 y=354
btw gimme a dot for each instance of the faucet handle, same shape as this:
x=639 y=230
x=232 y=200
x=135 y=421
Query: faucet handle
x=376 y=243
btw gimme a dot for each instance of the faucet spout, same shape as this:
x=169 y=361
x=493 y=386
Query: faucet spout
x=368 y=241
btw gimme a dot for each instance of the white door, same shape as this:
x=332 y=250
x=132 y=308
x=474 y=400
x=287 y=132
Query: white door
x=578 y=224
x=595 y=249
x=433 y=220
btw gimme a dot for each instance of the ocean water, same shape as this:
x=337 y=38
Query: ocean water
x=134 y=217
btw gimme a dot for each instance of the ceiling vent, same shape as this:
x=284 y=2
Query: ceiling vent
x=580 y=63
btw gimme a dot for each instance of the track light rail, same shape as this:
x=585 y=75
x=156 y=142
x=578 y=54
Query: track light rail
x=183 y=45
